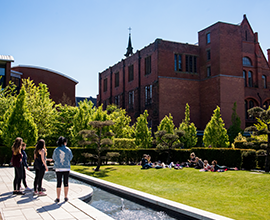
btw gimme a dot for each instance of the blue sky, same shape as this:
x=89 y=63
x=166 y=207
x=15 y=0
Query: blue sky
x=81 y=38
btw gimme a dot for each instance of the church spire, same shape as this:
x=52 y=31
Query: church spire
x=129 y=48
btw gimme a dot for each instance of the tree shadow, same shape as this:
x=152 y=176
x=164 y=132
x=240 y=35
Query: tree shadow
x=98 y=174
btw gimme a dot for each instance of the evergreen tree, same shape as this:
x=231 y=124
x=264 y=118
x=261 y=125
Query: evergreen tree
x=166 y=124
x=235 y=128
x=215 y=134
x=19 y=123
x=143 y=137
x=190 y=137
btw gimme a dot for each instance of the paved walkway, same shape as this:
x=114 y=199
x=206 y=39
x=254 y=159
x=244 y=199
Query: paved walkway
x=27 y=206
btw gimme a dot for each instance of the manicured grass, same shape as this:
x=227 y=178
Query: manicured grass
x=235 y=194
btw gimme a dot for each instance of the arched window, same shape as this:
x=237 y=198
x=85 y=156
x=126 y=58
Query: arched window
x=245 y=78
x=250 y=81
x=249 y=103
x=264 y=81
x=246 y=61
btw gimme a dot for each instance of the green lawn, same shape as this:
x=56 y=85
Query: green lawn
x=235 y=194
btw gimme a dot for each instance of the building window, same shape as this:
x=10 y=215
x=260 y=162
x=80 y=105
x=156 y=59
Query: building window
x=2 y=76
x=130 y=73
x=264 y=81
x=245 y=78
x=208 y=52
x=177 y=62
x=246 y=61
x=246 y=35
x=148 y=95
x=250 y=81
x=208 y=71
x=208 y=38
x=131 y=99
x=266 y=104
x=116 y=79
x=191 y=64
x=250 y=103
x=117 y=100
x=105 y=85
x=147 y=65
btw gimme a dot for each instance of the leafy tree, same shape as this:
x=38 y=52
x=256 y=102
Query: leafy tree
x=98 y=137
x=264 y=118
x=81 y=120
x=121 y=127
x=235 y=128
x=215 y=134
x=169 y=141
x=62 y=122
x=40 y=106
x=190 y=136
x=19 y=122
x=143 y=137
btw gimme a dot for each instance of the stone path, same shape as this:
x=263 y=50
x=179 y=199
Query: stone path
x=28 y=206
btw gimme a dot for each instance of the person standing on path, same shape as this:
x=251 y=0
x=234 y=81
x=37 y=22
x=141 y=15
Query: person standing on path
x=16 y=161
x=40 y=167
x=25 y=165
x=62 y=156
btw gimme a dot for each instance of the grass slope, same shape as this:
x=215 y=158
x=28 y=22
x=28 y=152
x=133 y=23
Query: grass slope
x=235 y=194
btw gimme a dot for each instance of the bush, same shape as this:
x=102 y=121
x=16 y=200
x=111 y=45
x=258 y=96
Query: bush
x=249 y=159
x=261 y=154
x=250 y=145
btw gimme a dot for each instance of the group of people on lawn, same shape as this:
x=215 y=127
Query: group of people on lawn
x=194 y=161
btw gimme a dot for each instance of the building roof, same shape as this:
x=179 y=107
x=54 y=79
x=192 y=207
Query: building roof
x=15 y=74
x=6 y=58
x=46 y=69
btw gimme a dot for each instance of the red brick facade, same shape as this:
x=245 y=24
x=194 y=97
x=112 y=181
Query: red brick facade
x=61 y=87
x=226 y=66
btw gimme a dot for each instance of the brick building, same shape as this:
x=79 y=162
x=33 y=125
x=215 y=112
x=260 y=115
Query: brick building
x=226 y=66
x=61 y=87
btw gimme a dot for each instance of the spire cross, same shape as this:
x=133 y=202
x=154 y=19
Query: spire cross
x=129 y=30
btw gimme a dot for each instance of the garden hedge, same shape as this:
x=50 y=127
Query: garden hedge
x=241 y=158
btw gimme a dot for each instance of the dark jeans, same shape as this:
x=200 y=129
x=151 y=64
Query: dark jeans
x=17 y=178
x=38 y=179
x=24 y=177
x=59 y=176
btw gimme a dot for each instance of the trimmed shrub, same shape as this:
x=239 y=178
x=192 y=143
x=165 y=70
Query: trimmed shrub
x=124 y=143
x=249 y=159
x=261 y=154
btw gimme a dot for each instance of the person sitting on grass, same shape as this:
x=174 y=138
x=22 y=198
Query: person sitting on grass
x=199 y=163
x=144 y=163
x=192 y=161
x=216 y=168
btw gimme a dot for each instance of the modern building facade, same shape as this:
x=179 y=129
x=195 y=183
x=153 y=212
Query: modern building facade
x=226 y=66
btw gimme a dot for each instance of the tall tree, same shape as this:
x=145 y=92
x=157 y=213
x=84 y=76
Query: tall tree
x=40 y=106
x=235 y=128
x=98 y=136
x=264 y=117
x=121 y=127
x=81 y=120
x=19 y=122
x=189 y=139
x=215 y=134
x=166 y=124
x=143 y=137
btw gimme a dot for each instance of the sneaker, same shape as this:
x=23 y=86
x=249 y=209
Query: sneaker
x=66 y=199
x=35 y=193
x=56 y=200
x=15 y=192
x=27 y=189
x=43 y=190
x=42 y=194
x=20 y=193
